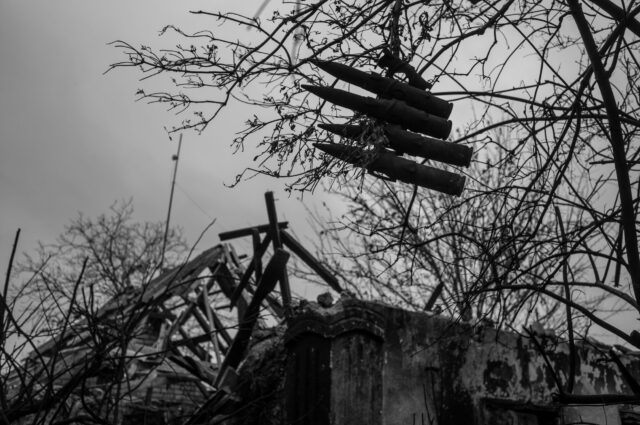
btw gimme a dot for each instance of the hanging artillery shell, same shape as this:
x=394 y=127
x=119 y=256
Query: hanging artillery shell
x=393 y=111
x=398 y=168
x=388 y=88
x=349 y=154
x=410 y=143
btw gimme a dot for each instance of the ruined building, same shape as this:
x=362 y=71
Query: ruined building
x=139 y=349
x=366 y=363
x=210 y=343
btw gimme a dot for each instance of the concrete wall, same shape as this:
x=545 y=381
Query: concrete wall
x=435 y=368
x=440 y=372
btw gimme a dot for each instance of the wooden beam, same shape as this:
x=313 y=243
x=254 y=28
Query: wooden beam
x=272 y=303
x=271 y=275
x=285 y=290
x=210 y=314
x=195 y=349
x=198 y=339
x=202 y=320
x=257 y=258
x=247 y=231
x=227 y=282
x=218 y=326
x=310 y=261
x=195 y=369
x=434 y=296
x=184 y=316
x=246 y=277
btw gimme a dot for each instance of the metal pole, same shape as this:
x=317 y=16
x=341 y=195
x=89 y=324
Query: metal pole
x=175 y=158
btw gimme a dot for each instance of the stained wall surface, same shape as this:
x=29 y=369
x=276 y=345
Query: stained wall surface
x=435 y=371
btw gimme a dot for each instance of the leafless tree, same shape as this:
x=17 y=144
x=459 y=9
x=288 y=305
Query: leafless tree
x=66 y=355
x=557 y=80
x=451 y=255
x=120 y=253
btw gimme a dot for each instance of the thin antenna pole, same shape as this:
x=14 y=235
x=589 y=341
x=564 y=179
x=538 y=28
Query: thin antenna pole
x=175 y=158
x=261 y=9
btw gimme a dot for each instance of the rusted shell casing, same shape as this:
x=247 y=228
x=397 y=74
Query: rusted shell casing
x=393 y=111
x=410 y=143
x=398 y=168
x=388 y=88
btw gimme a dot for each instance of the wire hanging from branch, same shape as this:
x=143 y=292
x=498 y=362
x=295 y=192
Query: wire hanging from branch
x=394 y=29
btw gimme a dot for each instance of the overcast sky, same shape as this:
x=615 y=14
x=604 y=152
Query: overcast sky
x=74 y=140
